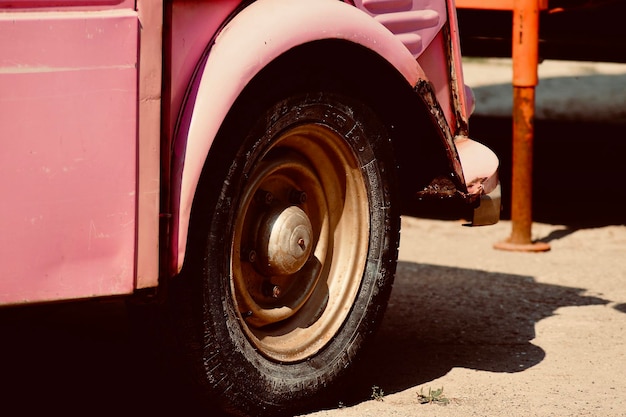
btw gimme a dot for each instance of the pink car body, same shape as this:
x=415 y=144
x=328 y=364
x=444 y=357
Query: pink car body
x=108 y=110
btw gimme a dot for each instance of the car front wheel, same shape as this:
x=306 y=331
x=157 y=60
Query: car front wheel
x=295 y=236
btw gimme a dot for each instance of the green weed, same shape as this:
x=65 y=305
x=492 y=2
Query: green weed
x=377 y=393
x=433 y=397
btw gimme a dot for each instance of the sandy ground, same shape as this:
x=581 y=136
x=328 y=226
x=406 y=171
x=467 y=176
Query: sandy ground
x=508 y=333
x=503 y=333
x=567 y=90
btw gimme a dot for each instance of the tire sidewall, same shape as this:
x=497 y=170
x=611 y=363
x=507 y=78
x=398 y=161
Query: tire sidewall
x=231 y=363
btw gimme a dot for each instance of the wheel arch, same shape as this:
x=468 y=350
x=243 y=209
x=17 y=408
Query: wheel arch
x=329 y=43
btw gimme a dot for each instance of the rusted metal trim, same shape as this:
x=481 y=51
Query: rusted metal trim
x=455 y=88
x=442 y=187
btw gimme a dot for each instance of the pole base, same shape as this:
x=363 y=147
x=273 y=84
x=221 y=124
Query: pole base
x=522 y=247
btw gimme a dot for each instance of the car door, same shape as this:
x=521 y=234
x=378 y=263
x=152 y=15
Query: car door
x=68 y=139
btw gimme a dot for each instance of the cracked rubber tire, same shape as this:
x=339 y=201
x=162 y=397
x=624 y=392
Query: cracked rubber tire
x=292 y=252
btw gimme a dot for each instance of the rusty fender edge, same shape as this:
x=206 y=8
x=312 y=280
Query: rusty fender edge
x=473 y=179
x=484 y=200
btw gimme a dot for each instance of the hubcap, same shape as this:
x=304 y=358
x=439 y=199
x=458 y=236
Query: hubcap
x=284 y=241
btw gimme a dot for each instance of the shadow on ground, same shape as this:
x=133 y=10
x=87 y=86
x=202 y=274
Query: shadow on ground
x=620 y=307
x=79 y=356
x=577 y=171
x=441 y=318
x=76 y=357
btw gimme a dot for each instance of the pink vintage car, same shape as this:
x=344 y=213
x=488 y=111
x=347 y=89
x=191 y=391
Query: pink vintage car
x=248 y=161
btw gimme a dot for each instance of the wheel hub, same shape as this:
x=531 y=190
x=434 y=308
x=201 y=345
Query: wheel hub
x=284 y=241
x=298 y=247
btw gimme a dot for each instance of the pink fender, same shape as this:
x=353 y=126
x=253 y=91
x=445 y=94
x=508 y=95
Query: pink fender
x=414 y=22
x=260 y=33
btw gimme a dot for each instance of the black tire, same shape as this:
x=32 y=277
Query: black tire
x=292 y=253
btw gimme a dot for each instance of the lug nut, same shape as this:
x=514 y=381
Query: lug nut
x=297 y=197
x=264 y=197
x=249 y=255
x=271 y=290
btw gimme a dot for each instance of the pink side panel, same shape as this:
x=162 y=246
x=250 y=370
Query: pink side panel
x=68 y=102
x=194 y=24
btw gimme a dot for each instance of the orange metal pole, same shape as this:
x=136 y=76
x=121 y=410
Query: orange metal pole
x=525 y=79
x=493 y=4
